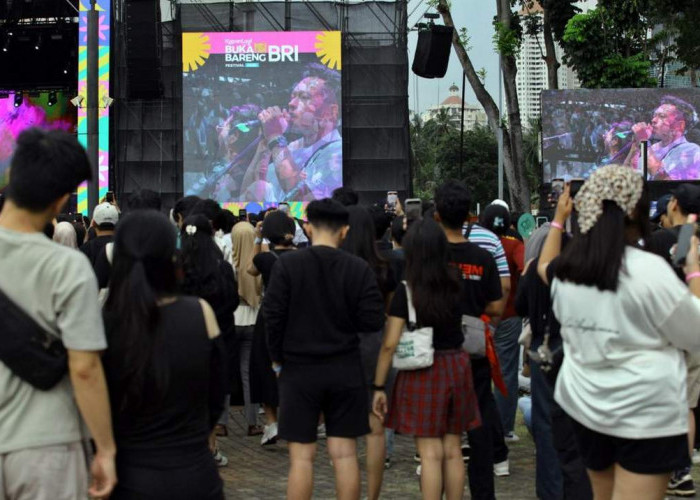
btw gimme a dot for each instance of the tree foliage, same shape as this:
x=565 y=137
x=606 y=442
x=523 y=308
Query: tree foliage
x=607 y=46
x=435 y=146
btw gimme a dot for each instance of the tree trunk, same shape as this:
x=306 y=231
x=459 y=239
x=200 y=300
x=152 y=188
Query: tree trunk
x=513 y=135
x=550 y=51
x=513 y=162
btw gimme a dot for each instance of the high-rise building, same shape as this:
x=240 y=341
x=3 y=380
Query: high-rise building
x=473 y=115
x=532 y=71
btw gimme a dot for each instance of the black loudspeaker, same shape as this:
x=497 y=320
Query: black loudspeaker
x=433 y=52
x=143 y=36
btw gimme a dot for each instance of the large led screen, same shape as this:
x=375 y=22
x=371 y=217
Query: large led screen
x=262 y=116
x=585 y=129
x=46 y=111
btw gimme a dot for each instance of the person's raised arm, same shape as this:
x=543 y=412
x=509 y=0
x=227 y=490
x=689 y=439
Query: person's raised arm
x=552 y=245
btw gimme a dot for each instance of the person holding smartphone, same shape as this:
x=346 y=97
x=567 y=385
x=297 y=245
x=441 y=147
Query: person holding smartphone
x=624 y=323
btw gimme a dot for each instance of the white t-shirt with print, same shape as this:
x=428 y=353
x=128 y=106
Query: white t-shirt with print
x=57 y=287
x=623 y=372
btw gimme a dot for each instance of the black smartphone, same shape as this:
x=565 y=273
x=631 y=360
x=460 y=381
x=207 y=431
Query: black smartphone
x=391 y=199
x=557 y=189
x=683 y=246
x=243 y=213
x=574 y=186
x=109 y=197
x=414 y=209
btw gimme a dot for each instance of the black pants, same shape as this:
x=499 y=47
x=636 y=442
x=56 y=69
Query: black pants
x=482 y=439
x=576 y=484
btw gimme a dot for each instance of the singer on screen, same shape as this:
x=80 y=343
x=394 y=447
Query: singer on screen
x=672 y=157
x=309 y=167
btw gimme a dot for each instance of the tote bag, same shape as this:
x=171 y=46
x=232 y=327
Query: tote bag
x=415 y=349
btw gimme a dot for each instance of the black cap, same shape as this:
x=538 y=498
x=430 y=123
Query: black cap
x=688 y=197
x=661 y=206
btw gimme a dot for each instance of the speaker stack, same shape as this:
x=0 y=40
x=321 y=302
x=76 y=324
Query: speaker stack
x=144 y=79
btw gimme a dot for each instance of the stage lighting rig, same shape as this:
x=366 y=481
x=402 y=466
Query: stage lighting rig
x=6 y=45
x=77 y=101
x=39 y=40
x=106 y=101
x=52 y=98
x=19 y=97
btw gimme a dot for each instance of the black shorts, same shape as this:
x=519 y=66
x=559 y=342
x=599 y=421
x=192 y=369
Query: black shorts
x=641 y=456
x=334 y=387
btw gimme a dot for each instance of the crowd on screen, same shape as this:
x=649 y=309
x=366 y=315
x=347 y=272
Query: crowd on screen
x=147 y=328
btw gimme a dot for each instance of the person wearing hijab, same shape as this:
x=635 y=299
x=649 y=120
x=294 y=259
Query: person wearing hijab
x=64 y=234
x=250 y=292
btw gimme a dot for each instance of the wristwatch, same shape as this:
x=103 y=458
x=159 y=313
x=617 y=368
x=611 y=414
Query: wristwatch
x=278 y=142
x=377 y=387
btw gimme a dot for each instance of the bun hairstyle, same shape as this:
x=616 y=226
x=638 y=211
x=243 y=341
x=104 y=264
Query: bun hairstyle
x=279 y=228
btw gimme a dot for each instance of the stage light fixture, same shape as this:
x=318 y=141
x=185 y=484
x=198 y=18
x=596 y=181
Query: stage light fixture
x=107 y=101
x=52 y=98
x=6 y=46
x=37 y=45
x=77 y=101
x=19 y=97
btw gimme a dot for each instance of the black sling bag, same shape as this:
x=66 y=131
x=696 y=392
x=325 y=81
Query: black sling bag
x=32 y=353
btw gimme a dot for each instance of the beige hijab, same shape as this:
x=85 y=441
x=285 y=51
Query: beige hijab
x=243 y=239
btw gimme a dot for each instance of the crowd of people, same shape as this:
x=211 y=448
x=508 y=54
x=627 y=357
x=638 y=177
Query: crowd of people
x=358 y=322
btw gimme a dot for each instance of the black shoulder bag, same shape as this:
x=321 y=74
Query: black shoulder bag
x=32 y=353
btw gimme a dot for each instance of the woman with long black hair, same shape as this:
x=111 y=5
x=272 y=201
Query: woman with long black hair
x=435 y=404
x=163 y=367
x=624 y=318
x=207 y=275
x=360 y=241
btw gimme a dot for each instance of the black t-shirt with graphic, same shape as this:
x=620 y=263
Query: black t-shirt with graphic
x=481 y=282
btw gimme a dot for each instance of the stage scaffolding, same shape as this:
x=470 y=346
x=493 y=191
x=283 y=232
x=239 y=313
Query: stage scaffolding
x=147 y=134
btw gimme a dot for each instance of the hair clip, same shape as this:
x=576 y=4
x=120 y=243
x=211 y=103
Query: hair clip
x=191 y=230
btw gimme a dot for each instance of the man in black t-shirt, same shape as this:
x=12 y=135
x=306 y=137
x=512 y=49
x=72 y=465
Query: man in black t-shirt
x=481 y=294
x=104 y=220
x=317 y=300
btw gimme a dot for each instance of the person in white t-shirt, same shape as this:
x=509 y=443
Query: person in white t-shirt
x=624 y=320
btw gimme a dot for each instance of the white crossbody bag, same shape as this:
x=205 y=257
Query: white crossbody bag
x=415 y=349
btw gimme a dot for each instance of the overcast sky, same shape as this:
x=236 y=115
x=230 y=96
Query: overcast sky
x=477 y=17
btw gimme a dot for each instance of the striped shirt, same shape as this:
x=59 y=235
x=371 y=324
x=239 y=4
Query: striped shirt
x=491 y=243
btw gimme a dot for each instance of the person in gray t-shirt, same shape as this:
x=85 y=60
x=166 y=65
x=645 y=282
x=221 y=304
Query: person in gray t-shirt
x=56 y=286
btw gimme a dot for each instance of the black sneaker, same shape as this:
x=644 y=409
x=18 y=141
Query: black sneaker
x=466 y=452
x=681 y=485
x=387 y=463
x=416 y=458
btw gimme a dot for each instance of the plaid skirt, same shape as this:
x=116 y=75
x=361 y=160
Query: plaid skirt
x=437 y=400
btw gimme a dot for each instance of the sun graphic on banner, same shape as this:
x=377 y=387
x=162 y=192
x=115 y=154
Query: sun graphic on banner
x=328 y=48
x=195 y=50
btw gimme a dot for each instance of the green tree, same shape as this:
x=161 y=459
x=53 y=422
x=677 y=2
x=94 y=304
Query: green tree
x=507 y=43
x=680 y=36
x=435 y=147
x=608 y=46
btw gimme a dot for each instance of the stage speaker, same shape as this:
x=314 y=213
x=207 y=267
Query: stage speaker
x=143 y=37
x=433 y=52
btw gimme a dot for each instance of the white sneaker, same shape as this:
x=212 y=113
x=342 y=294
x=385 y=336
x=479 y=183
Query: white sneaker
x=418 y=470
x=511 y=437
x=321 y=431
x=221 y=460
x=501 y=469
x=269 y=435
